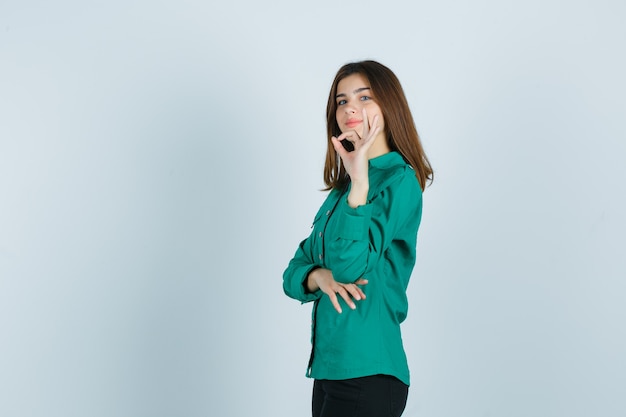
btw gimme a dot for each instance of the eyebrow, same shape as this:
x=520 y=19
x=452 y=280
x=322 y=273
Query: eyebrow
x=357 y=91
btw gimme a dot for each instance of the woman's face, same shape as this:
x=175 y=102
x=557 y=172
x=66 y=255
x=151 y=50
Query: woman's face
x=354 y=95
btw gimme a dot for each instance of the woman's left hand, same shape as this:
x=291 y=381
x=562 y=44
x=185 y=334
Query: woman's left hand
x=323 y=280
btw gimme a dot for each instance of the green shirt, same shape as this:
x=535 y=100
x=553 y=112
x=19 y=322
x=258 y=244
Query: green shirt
x=375 y=241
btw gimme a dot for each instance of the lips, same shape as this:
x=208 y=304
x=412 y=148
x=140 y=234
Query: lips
x=353 y=123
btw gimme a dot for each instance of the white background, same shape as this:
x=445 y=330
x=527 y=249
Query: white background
x=160 y=161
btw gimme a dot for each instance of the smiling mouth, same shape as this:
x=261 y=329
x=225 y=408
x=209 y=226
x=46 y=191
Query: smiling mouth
x=353 y=123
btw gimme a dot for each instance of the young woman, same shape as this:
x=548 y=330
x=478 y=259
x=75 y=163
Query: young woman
x=357 y=261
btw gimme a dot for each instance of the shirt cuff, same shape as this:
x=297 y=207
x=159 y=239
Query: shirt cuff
x=295 y=288
x=354 y=222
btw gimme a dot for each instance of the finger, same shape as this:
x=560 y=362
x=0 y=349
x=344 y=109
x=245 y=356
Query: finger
x=361 y=281
x=355 y=292
x=366 y=125
x=374 y=128
x=375 y=125
x=372 y=137
x=343 y=292
x=334 y=301
x=351 y=135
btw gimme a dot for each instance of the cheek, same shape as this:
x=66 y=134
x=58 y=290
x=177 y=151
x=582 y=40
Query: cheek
x=379 y=113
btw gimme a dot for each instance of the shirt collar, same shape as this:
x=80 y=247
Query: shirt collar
x=387 y=160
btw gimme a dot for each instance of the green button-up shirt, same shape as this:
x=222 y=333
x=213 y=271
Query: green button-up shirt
x=375 y=241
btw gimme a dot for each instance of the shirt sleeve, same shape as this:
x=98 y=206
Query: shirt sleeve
x=362 y=235
x=297 y=271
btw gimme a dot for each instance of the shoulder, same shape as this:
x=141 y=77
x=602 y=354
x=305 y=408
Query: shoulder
x=391 y=170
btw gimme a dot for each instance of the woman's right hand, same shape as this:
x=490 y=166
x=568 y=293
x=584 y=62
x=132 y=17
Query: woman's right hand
x=322 y=279
x=356 y=162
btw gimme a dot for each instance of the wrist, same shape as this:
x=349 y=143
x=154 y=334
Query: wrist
x=358 y=194
x=310 y=284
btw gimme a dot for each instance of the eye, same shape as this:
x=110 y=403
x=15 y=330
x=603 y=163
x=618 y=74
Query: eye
x=364 y=98
x=340 y=102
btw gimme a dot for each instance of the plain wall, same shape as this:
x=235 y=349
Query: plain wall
x=160 y=162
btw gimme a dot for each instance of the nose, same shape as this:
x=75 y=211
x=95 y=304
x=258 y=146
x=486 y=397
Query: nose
x=350 y=108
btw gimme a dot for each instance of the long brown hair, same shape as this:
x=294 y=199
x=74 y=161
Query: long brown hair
x=399 y=125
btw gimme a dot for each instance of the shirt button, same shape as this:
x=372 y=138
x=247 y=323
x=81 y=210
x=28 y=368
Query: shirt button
x=328 y=212
x=320 y=256
x=320 y=235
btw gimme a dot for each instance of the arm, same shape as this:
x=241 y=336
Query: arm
x=305 y=281
x=362 y=235
x=295 y=276
x=321 y=279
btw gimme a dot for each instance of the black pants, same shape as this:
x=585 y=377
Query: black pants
x=370 y=396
